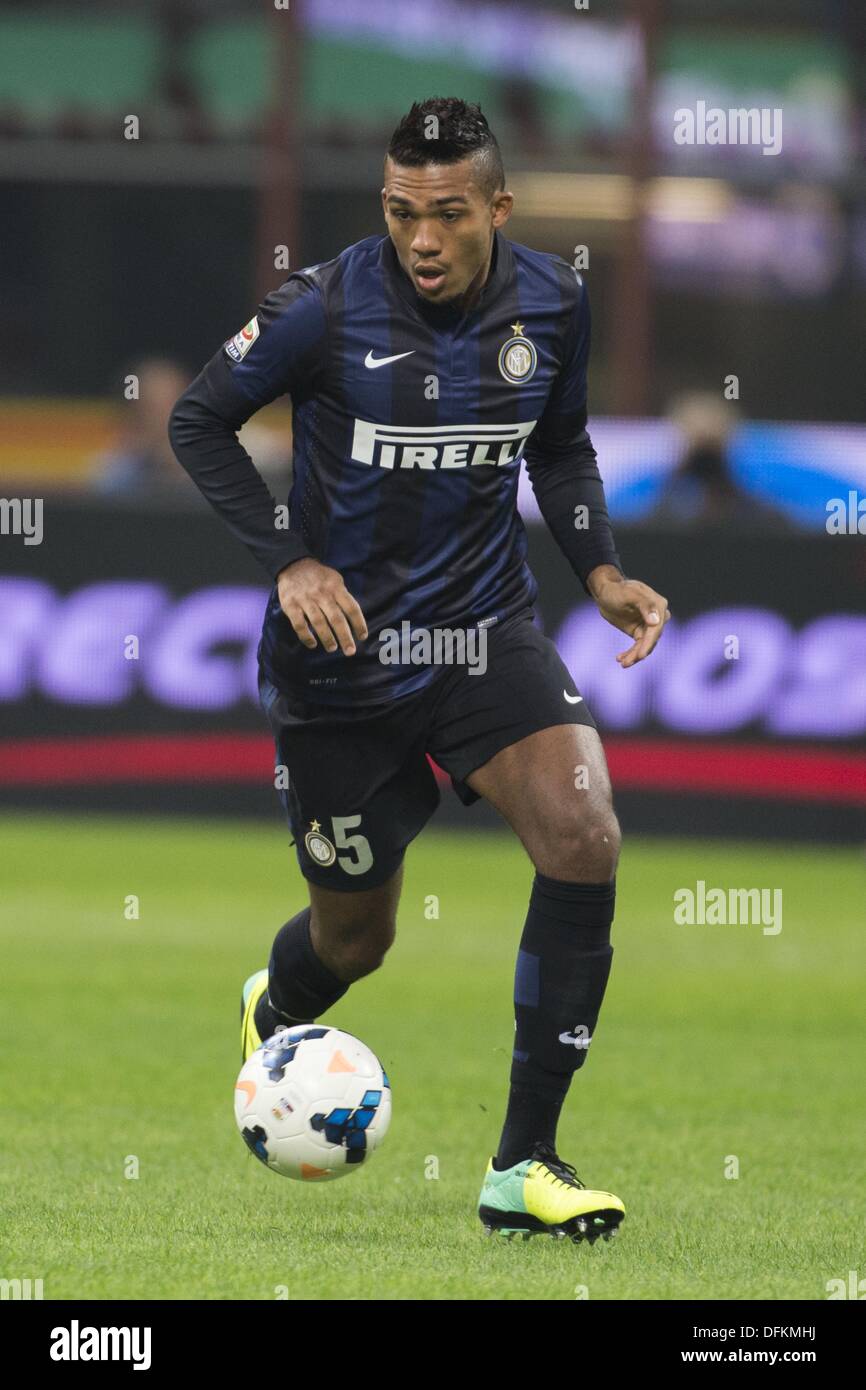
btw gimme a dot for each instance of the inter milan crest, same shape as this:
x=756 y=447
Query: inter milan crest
x=319 y=847
x=517 y=357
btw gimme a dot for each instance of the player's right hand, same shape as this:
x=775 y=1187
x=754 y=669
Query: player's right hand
x=318 y=605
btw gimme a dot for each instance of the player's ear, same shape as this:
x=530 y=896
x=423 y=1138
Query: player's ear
x=384 y=205
x=502 y=205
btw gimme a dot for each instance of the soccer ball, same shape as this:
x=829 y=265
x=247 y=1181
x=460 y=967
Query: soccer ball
x=313 y=1103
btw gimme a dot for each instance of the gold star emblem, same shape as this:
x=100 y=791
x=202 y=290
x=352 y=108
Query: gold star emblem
x=517 y=329
x=314 y=825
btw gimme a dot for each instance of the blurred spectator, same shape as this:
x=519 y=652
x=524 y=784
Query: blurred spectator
x=142 y=462
x=702 y=491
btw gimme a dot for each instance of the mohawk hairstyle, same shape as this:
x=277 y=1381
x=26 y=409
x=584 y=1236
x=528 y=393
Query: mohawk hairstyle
x=458 y=130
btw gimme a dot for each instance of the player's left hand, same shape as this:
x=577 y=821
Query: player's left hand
x=634 y=608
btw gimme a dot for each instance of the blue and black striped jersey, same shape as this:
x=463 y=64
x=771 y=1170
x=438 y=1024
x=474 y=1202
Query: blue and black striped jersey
x=410 y=421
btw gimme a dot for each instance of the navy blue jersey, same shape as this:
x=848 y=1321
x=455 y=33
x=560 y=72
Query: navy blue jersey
x=410 y=422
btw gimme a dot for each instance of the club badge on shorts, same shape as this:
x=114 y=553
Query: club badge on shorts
x=319 y=847
x=518 y=358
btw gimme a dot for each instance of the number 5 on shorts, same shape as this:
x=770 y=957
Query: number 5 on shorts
x=358 y=845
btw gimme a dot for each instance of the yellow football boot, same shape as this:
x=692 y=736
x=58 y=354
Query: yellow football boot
x=252 y=993
x=543 y=1194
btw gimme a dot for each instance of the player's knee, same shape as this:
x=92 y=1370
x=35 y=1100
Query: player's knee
x=581 y=848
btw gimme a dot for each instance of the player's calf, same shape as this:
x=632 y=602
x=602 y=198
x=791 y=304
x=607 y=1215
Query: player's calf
x=562 y=971
x=352 y=932
x=315 y=957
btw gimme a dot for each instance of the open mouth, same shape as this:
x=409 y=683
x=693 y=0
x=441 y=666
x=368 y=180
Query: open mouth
x=429 y=277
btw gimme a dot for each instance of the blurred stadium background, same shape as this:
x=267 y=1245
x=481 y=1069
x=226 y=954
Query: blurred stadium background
x=152 y=159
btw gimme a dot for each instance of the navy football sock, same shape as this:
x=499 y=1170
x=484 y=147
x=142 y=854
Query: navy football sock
x=562 y=970
x=300 y=986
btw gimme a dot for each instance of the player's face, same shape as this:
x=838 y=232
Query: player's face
x=442 y=227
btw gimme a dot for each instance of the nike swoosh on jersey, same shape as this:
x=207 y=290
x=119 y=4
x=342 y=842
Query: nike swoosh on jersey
x=572 y=699
x=371 y=361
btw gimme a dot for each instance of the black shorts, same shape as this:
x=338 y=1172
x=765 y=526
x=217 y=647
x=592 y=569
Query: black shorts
x=357 y=786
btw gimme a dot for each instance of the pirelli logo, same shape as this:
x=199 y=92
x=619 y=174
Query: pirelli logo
x=439 y=446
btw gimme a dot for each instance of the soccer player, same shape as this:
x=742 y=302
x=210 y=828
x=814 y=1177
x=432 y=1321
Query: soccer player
x=422 y=367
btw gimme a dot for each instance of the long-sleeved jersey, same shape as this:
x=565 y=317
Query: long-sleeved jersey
x=410 y=421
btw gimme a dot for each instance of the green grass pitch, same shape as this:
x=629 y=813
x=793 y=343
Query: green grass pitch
x=120 y=1042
